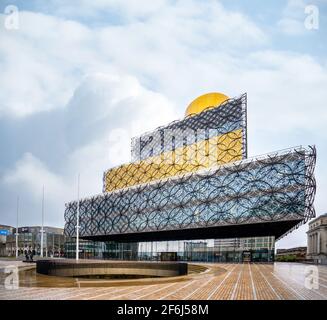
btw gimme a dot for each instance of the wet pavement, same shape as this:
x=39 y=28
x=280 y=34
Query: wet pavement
x=278 y=281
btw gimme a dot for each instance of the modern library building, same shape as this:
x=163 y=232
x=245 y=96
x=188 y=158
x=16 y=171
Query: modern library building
x=192 y=193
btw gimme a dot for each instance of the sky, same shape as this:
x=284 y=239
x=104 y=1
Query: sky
x=78 y=79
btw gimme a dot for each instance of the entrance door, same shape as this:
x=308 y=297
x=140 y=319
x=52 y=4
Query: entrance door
x=246 y=256
x=168 y=256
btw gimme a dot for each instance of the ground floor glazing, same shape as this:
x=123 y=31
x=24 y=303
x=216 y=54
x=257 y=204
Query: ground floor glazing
x=254 y=249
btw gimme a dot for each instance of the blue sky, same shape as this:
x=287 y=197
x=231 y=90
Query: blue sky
x=79 y=79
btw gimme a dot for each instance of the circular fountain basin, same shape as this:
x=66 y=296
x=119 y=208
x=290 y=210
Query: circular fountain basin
x=93 y=268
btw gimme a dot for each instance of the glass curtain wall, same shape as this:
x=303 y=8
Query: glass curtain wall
x=258 y=249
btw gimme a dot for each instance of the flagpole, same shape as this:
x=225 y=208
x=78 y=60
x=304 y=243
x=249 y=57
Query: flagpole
x=42 y=230
x=17 y=226
x=77 y=221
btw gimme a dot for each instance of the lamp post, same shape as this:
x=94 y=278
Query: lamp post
x=17 y=227
x=77 y=221
x=59 y=246
x=42 y=226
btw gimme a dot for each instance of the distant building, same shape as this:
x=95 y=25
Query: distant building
x=5 y=231
x=195 y=251
x=29 y=238
x=87 y=249
x=252 y=249
x=317 y=239
x=292 y=254
x=195 y=245
x=123 y=251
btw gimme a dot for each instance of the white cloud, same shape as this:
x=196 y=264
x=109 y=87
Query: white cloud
x=291 y=26
x=43 y=61
x=286 y=88
x=105 y=103
x=102 y=105
x=26 y=179
x=292 y=20
x=127 y=11
x=30 y=175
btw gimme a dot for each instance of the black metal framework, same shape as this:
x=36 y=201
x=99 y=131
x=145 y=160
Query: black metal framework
x=275 y=188
x=213 y=137
x=214 y=121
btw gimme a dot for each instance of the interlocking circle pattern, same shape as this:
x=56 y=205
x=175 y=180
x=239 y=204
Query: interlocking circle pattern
x=275 y=187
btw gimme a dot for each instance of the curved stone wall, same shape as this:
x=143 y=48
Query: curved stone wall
x=72 y=268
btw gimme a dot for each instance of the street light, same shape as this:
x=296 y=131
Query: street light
x=77 y=221
x=17 y=228
x=42 y=229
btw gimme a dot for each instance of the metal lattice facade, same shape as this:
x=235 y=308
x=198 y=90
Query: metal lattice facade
x=213 y=122
x=193 y=176
x=213 y=137
x=276 y=187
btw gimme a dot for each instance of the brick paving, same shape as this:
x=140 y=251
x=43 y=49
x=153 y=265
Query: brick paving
x=278 y=281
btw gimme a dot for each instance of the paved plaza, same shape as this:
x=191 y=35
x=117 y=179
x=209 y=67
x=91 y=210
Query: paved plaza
x=278 y=281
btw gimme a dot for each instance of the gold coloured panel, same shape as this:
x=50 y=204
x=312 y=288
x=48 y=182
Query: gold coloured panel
x=213 y=99
x=204 y=154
